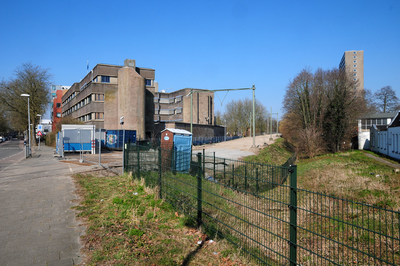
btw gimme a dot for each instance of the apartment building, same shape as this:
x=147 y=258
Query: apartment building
x=56 y=110
x=176 y=106
x=53 y=92
x=353 y=63
x=109 y=92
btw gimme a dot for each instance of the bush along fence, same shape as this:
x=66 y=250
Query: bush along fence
x=261 y=211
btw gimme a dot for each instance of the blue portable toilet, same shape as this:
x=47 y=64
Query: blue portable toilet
x=181 y=145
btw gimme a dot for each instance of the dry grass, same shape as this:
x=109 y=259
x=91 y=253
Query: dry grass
x=129 y=229
x=328 y=228
x=352 y=176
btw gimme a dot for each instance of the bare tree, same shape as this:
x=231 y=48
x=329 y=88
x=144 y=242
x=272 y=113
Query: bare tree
x=371 y=106
x=218 y=118
x=4 y=122
x=303 y=104
x=239 y=118
x=321 y=110
x=344 y=106
x=28 y=79
x=386 y=99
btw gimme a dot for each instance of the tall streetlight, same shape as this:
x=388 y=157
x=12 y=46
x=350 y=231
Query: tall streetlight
x=29 y=121
x=40 y=123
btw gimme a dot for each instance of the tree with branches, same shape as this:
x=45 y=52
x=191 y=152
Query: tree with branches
x=321 y=111
x=386 y=99
x=239 y=118
x=28 y=79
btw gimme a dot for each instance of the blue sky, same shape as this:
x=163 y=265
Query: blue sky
x=204 y=44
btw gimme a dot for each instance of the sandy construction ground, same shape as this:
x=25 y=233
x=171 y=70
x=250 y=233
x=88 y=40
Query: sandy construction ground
x=238 y=148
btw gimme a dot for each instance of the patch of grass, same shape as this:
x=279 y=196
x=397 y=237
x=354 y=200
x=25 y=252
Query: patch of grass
x=338 y=192
x=275 y=154
x=136 y=232
x=128 y=229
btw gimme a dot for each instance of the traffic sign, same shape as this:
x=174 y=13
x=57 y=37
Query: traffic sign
x=39 y=133
x=40 y=127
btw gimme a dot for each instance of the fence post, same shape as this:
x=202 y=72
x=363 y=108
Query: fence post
x=293 y=215
x=224 y=169
x=100 y=148
x=245 y=177
x=257 y=181
x=214 y=166
x=123 y=151
x=204 y=163
x=199 y=196
x=159 y=173
x=126 y=167
x=233 y=175
x=138 y=161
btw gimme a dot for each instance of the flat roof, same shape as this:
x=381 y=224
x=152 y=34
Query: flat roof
x=379 y=115
x=178 y=131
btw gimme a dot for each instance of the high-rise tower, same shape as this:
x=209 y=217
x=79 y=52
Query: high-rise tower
x=353 y=63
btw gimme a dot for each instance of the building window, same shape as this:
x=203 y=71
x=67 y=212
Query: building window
x=355 y=74
x=58 y=105
x=99 y=115
x=354 y=56
x=178 y=99
x=354 y=79
x=105 y=79
x=355 y=61
x=355 y=65
x=354 y=52
x=99 y=97
x=58 y=114
x=148 y=82
x=355 y=70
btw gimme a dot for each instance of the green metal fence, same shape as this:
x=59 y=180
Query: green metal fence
x=260 y=210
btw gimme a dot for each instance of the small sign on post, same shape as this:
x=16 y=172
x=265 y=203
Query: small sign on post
x=39 y=135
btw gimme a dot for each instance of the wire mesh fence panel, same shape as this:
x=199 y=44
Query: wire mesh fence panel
x=341 y=232
x=260 y=210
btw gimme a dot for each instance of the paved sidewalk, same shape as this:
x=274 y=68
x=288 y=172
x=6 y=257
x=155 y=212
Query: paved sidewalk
x=37 y=224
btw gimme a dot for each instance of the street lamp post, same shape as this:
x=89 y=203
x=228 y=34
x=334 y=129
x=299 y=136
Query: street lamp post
x=29 y=122
x=40 y=123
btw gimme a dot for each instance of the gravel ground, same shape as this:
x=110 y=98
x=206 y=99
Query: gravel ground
x=238 y=148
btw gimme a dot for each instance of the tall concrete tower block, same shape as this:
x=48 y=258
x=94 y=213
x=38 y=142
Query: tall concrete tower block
x=131 y=98
x=353 y=63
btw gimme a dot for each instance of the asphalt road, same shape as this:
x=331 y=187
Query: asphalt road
x=11 y=151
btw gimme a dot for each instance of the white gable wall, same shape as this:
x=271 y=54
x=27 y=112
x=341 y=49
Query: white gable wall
x=393 y=142
x=386 y=142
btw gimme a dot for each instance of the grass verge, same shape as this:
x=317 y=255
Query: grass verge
x=128 y=225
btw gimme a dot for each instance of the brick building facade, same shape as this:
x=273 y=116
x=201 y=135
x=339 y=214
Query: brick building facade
x=109 y=92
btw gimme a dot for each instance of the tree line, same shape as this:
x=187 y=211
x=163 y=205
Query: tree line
x=238 y=118
x=322 y=109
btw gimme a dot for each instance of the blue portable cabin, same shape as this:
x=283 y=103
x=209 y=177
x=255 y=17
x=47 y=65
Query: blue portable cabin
x=76 y=138
x=180 y=141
